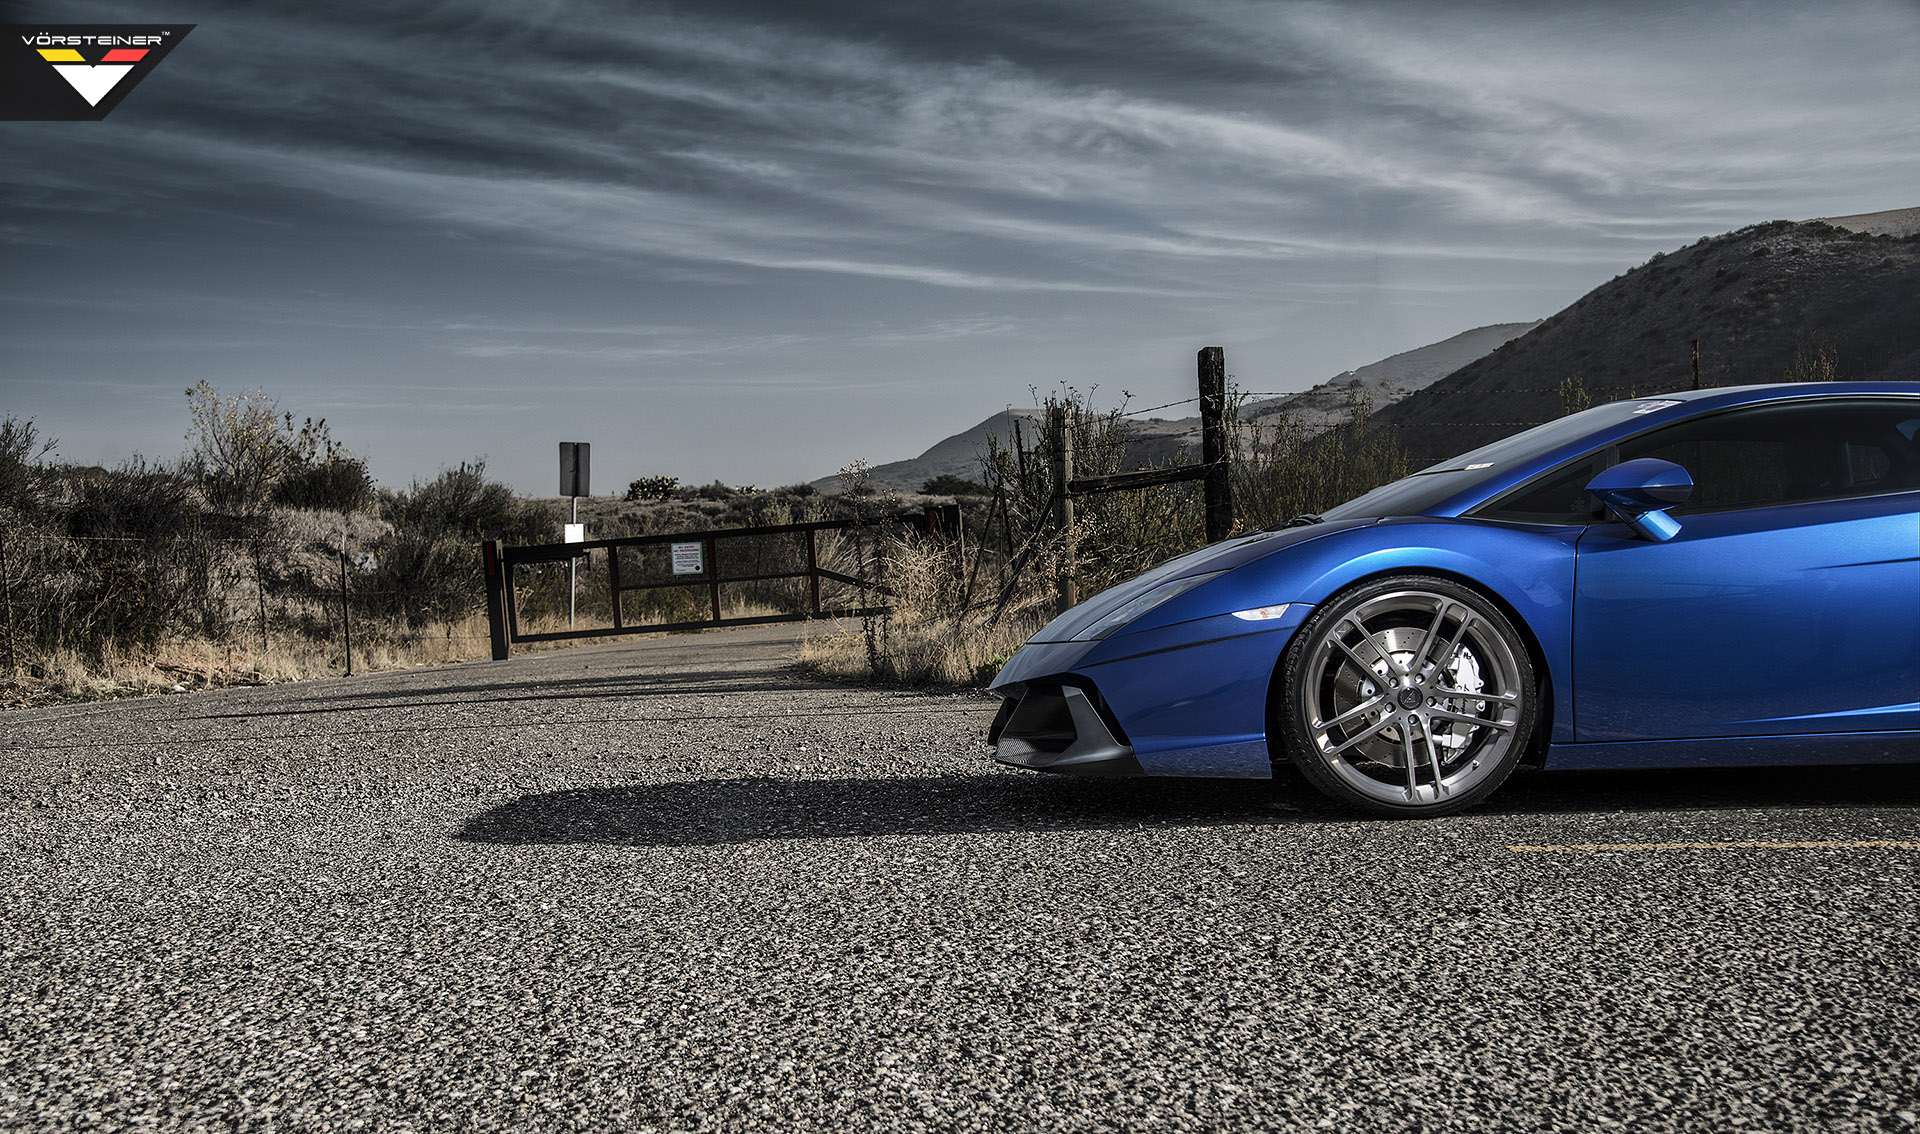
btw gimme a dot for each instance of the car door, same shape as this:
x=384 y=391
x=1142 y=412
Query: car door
x=1789 y=601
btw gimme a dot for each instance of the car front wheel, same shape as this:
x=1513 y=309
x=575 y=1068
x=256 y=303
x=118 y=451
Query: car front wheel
x=1408 y=696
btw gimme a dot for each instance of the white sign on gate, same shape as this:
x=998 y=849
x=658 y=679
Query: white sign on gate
x=687 y=559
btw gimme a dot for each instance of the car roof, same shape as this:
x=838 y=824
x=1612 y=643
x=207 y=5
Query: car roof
x=1666 y=409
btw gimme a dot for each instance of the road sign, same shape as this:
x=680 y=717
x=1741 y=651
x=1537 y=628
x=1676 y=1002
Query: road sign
x=573 y=468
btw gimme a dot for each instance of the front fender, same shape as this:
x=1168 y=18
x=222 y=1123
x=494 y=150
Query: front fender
x=1527 y=568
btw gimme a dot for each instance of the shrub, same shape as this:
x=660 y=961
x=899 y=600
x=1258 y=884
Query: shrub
x=657 y=488
x=338 y=485
x=247 y=454
x=428 y=567
x=21 y=449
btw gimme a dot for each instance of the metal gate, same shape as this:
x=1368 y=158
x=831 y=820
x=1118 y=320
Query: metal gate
x=694 y=571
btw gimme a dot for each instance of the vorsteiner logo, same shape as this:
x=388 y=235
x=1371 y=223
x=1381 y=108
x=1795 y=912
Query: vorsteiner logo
x=77 y=73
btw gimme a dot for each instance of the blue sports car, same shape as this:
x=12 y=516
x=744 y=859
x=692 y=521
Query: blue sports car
x=1712 y=577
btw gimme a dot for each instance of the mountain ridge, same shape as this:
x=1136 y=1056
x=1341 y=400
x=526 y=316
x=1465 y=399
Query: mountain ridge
x=1159 y=441
x=1830 y=297
x=1777 y=301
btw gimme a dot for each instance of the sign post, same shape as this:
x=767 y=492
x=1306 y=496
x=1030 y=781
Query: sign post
x=573 y=485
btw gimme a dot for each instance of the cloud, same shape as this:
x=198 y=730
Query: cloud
x=842 y=193
x=737 y=139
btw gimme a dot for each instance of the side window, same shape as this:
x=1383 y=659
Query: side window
x=1750 y=458
x=1561 y=497
x=1789 y=454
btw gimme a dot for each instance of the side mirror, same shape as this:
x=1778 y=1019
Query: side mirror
x=1640 y=492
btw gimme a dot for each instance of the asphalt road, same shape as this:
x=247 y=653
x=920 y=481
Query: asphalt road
x=667 y=885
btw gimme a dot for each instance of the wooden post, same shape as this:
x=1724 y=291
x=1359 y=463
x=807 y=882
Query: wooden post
x=260 y=592
x=1696 y=364
x=1019 y=450
x=1218 y=483
x=813 y=569
x=613 y=584
x=496 y=585
x=1061 y=426
x=713 y=578
x=6 y=594
x=346 y=617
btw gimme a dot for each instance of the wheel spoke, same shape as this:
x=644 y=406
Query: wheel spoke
x=1395 y=667
x=1420 y=656
x=1356 y=738
x=1433 y=757
x=1476 y=695
x=1467 y=718
x=1356 y=711
x=1413 y=766
x=1359 y=663
x=1467 y=619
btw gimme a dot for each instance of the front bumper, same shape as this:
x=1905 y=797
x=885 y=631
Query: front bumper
x=1184 y=700
x=1059 y=729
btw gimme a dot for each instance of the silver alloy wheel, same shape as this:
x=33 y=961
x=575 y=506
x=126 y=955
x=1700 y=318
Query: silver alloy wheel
x=1414 y=698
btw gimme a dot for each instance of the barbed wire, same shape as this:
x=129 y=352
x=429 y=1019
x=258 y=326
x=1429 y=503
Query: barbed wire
x=1151 y=409
x=1429 y=392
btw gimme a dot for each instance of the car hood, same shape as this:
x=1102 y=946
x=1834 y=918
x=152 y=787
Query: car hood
x=1214 y=558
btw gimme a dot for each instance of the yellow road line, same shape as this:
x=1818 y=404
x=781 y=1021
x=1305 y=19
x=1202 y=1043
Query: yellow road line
x=1865 y=844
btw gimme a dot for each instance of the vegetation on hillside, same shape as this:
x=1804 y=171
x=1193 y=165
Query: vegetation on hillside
x=251 y=558
x=265 y=546
x=1771 y=302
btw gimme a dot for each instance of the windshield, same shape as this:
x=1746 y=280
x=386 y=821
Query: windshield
x=1428 y=488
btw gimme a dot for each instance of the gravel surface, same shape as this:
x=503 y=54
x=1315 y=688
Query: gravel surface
x=668 y=885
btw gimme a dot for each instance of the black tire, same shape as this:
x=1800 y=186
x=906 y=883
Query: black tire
x=1409 y=696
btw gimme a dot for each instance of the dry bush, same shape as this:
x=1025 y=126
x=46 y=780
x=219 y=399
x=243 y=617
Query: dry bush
x=931 y=636
x=1280 y=470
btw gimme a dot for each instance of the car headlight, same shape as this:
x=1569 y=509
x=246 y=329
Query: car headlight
x=1141 y=603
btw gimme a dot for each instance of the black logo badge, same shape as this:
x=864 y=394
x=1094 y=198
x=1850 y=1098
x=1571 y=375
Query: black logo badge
x=77 y=72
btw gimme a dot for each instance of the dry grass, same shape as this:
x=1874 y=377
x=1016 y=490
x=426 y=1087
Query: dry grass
x=184 y=666
x=922 y=650
x=179 y=665
x=932 y=637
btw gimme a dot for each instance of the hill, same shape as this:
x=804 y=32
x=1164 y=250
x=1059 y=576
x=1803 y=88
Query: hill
x=1156 y=441
x=1768 y=303
x=1387 y=381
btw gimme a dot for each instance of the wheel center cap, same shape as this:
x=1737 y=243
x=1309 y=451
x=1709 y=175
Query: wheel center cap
x=1411 y=698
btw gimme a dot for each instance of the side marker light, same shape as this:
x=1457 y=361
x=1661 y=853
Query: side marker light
x=1263 y=613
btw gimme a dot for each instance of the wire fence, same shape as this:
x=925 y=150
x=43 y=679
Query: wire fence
x=98 y=597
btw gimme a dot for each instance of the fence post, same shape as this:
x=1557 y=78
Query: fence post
x=613 y=584
x=260 y=592
x=6 y=594
x=1061 y=426
x=713 y=577
x=1218 y=484
x=346 y=618
x=495 y=577
x=813 y=569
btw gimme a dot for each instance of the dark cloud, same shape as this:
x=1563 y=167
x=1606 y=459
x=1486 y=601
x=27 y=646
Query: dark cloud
x=858 y=210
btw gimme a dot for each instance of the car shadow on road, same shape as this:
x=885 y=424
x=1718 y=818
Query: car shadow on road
x=751 y=809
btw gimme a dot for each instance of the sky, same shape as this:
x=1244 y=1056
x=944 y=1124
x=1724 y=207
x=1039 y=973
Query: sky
x=755 y=241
